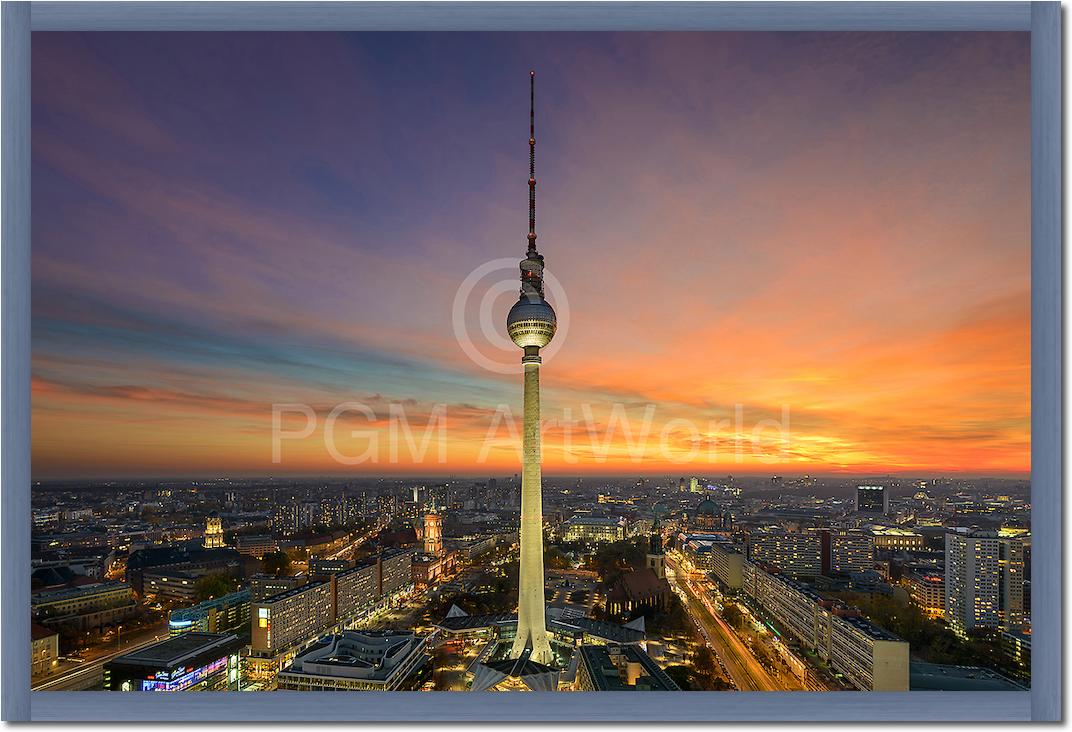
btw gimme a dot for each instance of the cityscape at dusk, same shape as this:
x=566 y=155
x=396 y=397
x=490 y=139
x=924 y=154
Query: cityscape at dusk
x=737 y=398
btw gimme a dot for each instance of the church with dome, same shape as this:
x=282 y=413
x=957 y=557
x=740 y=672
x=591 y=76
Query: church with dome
x=707 y=516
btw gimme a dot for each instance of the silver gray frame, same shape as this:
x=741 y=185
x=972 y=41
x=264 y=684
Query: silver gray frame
x=1042 y=19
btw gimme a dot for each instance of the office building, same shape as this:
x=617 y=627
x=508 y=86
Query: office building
x=593 y=529
x=171 y=584
x=187 y=662
x=227 y=614
x=324 y=567
x=1017 y=644
x=285 y=623
x=892 y=538
x=84 y=607
x=727 y=564
x=373 y=660
x=256 y=546
x=872 y=499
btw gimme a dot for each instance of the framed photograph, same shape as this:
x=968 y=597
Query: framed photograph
x=418 y=351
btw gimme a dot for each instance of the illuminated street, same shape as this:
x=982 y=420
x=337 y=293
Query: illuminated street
x=744 y=668
x=347 y=551
x=87 y=674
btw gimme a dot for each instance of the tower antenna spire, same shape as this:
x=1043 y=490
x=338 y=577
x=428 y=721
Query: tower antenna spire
x=532 y=162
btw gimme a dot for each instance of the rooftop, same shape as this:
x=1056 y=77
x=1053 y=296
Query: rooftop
x=234 y=598
x=893 y=531
x=872 y=631
x=599 y=629
x=593 y=521
x=610 y=669
x=372 y=655
x=81 y=590
x=177 y=649
x=937 y=677
x=285 y=594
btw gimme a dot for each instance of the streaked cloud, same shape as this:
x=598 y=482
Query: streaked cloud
x=833 y=224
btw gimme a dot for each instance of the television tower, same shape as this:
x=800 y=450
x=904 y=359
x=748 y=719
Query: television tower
x=531 y=325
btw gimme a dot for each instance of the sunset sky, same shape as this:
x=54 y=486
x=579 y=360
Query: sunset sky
x=828 y=230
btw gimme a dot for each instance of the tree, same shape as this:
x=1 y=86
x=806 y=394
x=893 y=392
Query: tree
x=555 y=558
x=612 y=560
x=214 y=585
x=733 y=616
x=930 y=640
x=704 y=662
x=674 y=620
x=684 y=677
x=276 y=563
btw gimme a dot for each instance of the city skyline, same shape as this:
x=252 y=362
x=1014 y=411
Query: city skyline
x=836 y=223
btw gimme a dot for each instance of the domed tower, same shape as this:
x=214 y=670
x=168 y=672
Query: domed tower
x=531 y=325
x=706 y=515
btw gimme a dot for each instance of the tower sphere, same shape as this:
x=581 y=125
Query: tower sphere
x=531 y=322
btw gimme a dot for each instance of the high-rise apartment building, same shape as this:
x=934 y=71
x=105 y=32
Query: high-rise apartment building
x=927 y=590
x=395 y=571
x=284 y=623
x=796 y=553
x=868 y=657
x=356 y=588
x=846 y=551
x=984 y=581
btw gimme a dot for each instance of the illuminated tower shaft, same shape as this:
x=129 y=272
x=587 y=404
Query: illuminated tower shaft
x=531 y=324
x=531 y=623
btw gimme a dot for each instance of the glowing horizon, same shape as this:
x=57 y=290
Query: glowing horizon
x=836 y=225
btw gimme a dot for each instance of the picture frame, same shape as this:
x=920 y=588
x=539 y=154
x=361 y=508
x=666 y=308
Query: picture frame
x=1043 y=703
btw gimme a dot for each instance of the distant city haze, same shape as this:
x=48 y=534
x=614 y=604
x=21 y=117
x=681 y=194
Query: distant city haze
x=827 y=234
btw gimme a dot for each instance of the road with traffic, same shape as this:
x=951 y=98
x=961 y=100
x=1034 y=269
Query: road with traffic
x=88 y=672
x=747 y=673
